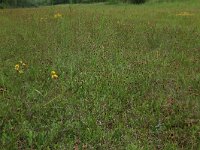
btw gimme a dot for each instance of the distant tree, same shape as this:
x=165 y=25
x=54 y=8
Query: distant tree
x=137 y=1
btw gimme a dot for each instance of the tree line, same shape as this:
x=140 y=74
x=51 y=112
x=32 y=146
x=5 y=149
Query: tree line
x=29 y=3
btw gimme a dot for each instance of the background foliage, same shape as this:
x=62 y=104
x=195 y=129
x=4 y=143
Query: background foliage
x=35 y=3
x=28 y=3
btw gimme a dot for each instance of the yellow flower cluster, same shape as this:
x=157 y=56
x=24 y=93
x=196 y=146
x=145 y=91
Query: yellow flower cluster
x=21 y=67
x=17 y=67
x=54 y=75
x=185 y=14
x=57 y=15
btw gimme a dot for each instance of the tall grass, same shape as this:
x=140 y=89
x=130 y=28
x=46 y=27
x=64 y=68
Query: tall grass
x=128 y=77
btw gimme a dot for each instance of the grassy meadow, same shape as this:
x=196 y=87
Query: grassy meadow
x=124 y=77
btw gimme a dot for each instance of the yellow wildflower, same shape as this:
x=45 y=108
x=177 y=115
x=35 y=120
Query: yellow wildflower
x=58 y=15
x=21 y=67
x=53 y=72
x=54 y=76
x=185 y=14
x=17 y=67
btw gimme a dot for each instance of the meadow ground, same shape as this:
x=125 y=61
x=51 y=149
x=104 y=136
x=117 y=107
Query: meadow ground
x=128 y=77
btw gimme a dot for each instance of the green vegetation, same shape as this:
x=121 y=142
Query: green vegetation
x=126 y=77
x=36 y=3
x=29 y=3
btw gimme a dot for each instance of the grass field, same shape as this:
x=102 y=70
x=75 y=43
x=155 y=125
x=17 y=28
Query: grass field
x=128 y=77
